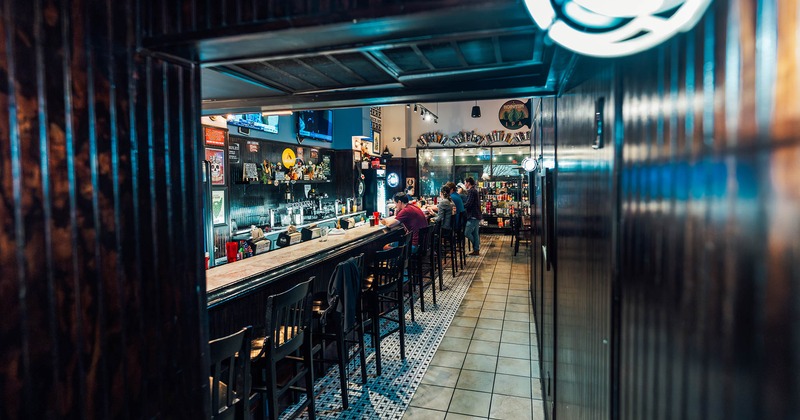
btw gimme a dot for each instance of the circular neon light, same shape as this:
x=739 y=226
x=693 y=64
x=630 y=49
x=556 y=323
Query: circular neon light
x=393 y=180
x=615 y=28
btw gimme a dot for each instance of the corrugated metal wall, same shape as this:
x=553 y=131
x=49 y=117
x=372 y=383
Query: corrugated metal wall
x=711 y=220
x=706 y=233
x=102 y=289
x=584 y=192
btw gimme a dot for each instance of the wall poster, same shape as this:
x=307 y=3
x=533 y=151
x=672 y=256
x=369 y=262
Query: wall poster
x=216 y=158
x=218 y=207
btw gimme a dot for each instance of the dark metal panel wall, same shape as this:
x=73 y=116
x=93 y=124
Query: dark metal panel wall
x=547 y=318
x=711 y=220
x=102 y=289
x=584 y=255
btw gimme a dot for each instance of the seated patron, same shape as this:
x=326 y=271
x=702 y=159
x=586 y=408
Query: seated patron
x=410 y=216
x=446 y=209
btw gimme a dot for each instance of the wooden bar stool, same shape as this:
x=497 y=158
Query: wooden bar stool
x=339 y=316
x=423 y=267
x=230 y=360
x=287 y=337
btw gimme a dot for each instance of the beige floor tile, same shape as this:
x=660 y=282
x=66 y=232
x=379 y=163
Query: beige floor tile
x=497 y=291
x=520 y=300
x=516 y=326
x=512 y=408
x=486 y=334
x=516 y=351
x=535 y=369
x=536 y=389
x=472 y=304
x=482 y=362
x=454 y=344
x=432 y=397
x=489 y=313
x=517 y=316
x=489 y=323
x=495 y=298
x=452 y=359
x=516 y=292
x=517 y=386
x=441 y=376
x=470 y=402
x=515 y=337
x=456 y=416
x=511 y=366
x=460 y=332
x=515 y=307
x=474 y=380
x=517 y=286
x=494 y=306
x=538 y=411
x=489 y=348
x=469 y=312
x=418 y=413
x=464 y=321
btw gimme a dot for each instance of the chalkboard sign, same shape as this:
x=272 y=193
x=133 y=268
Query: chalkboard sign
x=250 y=172
x=233 y=153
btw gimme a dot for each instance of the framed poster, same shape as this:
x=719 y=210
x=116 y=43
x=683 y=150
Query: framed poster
x=216 y=157
x=514 y=115
x=215 y=136
x=376 y=142
x=218 y=206
x=356 y=156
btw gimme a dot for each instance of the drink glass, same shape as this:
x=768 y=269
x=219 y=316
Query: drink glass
x=323 y=236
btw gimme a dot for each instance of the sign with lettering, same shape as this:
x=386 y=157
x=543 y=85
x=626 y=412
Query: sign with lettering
x=252 y=146
x=233 y=153
x=215 y=136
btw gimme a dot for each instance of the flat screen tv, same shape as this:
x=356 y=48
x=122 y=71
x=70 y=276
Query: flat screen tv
x=268 y=123
x=315 y=124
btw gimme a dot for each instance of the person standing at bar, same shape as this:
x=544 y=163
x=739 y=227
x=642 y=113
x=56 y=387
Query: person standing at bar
x=473 y=209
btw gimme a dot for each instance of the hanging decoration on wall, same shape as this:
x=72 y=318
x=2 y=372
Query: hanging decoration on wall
x=514 y=115
x=471 y=138
x=604 y=28
x=288 y=158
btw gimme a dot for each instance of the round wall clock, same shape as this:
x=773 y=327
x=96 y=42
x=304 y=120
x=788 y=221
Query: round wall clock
x=393 y=180
x=514 y=115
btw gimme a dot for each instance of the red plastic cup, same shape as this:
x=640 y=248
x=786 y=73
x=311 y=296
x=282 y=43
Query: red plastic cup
x=206 y=262
x=377 y=216
x=231 y=248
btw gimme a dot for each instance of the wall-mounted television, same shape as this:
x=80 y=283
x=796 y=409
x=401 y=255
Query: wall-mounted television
x=315 y=124
x=268 y=123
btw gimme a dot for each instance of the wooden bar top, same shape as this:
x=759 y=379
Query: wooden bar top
x=233 y=279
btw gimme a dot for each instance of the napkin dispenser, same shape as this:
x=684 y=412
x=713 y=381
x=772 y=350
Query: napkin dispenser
x=261 y=246
x=347 y=223
x=310 y=233
x=286 y=239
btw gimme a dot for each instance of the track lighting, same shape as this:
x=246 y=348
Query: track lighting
x=426 y=113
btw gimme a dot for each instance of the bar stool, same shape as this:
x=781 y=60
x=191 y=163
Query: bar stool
x=449 y=246
x=339 y=316
x=384 y=295
x=461 y=239
x=423 y=263
x=230 y=399
x=287 y=332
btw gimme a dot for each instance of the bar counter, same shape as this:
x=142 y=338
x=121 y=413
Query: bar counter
x=236 y=292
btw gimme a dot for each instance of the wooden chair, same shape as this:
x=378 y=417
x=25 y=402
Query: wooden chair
x=385 y=298
x=287 y=337
x=230 y=360
x=340 y=315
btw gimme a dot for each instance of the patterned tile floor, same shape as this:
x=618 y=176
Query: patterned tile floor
x=472 y=372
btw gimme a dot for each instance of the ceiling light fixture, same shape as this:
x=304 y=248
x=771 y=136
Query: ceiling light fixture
x=618 y=28
x=476 y=111
x=268 y=113
x=426 y=113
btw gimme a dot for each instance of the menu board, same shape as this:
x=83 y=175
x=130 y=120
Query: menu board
x=233 y=153
x=250 y=172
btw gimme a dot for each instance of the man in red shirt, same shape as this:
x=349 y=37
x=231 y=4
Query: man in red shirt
x=410 y=216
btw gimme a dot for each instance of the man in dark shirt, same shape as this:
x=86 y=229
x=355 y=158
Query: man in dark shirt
x=474 y=215
x=410 y=216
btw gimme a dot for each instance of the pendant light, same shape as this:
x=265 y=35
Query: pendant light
x=476 y=111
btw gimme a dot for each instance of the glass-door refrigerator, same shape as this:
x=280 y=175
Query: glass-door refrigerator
x=375 y=191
